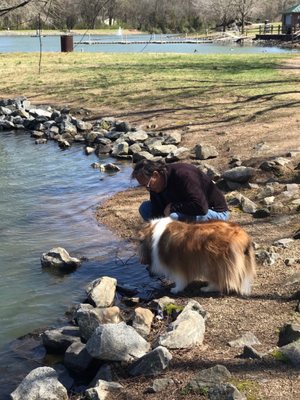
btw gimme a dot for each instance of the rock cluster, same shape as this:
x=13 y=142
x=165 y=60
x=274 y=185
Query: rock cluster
x=106 y=136
x=105 y=342
x=103 y=334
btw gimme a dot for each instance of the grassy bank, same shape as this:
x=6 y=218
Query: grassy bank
x=197 y=87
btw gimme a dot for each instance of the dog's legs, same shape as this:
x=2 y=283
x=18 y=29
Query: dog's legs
x=180 y=284
x=246 y=286
x=211 y=287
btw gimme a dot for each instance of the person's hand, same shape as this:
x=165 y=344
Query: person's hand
x=167 y=210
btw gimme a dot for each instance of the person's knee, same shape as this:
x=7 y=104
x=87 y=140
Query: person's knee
x=145 y=210
x=174 y=216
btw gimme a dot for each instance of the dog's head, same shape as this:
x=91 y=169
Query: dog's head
x=145 y=244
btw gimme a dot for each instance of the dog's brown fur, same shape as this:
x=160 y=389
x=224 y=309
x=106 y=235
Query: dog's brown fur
x=218 y=252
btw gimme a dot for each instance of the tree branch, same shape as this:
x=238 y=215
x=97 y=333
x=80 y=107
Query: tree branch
x=6 y=10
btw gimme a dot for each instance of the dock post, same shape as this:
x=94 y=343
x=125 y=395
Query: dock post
x=66 y=43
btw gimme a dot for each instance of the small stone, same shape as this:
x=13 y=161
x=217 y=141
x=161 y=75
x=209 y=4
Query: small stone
x=247 y=339
x=159 y=385
x=262 y=213
x=250 y=352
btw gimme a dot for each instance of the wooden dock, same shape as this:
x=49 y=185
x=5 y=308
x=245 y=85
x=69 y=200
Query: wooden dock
x=284 y=37
x=144 y=42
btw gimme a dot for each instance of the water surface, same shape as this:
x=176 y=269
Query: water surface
x=48 y=198
x=10 y=44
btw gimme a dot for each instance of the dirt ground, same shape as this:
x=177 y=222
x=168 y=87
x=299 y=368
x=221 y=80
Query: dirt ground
x=270 y=305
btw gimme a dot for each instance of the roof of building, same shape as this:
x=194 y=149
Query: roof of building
x=292 y=10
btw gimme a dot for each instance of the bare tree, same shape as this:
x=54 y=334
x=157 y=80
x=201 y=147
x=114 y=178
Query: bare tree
x=151 y=15
x=5 y=8
x=243 y=10
x=90 y=10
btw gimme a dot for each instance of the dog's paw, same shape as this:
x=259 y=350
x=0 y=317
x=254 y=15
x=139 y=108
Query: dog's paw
x=210 y=288
x=174 y=290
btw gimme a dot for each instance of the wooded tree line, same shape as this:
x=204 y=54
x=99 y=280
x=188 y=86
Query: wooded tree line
x=147 y=15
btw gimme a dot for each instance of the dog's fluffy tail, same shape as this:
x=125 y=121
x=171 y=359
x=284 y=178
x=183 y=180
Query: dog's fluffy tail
x=239 y=268
x=250 y=265
x=244 y=270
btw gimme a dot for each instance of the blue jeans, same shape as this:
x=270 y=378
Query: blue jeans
x=146 y=213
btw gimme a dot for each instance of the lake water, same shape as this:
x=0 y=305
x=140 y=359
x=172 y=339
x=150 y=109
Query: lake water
x=52 y=44
x=48 y=198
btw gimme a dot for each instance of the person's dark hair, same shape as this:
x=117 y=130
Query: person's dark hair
x=147 y=167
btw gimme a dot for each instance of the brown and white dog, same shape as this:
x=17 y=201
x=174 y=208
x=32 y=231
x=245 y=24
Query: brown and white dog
x=218 y=252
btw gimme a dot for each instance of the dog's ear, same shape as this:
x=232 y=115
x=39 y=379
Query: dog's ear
x=145 y=240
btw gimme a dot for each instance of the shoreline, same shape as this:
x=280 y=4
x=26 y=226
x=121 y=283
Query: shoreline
x=96 y=32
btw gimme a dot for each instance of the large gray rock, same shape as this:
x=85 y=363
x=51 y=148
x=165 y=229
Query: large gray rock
x=163 y=149
x=58 y=340
x=77 y=358
x=152 y=364
x=40 y=384
x=89 y=318
x=142 y=155
x=113 y=135
x=40 y=112
x=291 y=353
x=180 y=153
x=120 y=149
x=67 y=127
x=59 y=257
x=102 y=291
x=250 y=352
x=289 y=333
x=117 y=342
x=63 y=376
x=172 y=138
x=104 y=373
x=5 y=110
x=6 y=125
x=142 y=321
x=204 y=152
x=210 y=377
x=186 y=331
x=225 y=391
x=239 y=174
x=248 y=339
x=109 y=167
x=83 y=125
x=102 y=390
x=245 y=204
x=138 y=136
x=134 y=148
x=158 y=385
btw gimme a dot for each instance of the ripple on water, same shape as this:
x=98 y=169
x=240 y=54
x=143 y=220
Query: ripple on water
x=47 y=199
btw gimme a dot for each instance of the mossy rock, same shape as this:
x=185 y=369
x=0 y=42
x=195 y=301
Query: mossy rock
x=172 y=309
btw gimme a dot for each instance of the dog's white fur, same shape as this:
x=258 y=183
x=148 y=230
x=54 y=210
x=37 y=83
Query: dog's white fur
x=217 y=251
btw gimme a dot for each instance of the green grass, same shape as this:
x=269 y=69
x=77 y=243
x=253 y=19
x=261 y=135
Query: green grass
x=279 y=356
x=236 y=87
x=248 y=388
